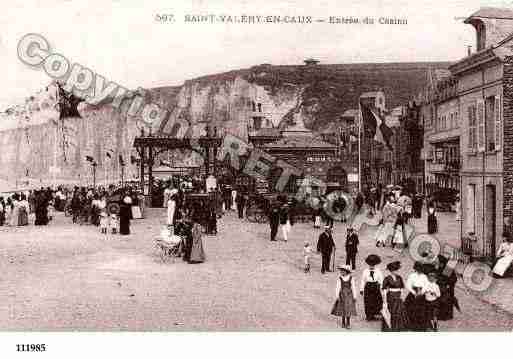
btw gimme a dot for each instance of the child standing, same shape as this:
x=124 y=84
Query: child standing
x=104 y=222
x=345 y=304
x=50 y=209
x=307 y=252
x=432 y=293
x=114 y=223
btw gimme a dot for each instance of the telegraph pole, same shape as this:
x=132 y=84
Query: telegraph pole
x=94 y=164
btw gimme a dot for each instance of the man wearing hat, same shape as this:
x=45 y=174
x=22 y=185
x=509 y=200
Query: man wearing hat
x=325 y=246
x=352 y=242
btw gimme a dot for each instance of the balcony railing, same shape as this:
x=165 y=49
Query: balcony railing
x=446 y=166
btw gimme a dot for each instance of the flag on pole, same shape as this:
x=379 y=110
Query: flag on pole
x=375 y=122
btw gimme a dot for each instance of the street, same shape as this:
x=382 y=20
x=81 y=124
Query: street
x=71 y=277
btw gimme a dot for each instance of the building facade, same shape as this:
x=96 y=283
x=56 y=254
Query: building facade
x=442 y=140
x=482 y=99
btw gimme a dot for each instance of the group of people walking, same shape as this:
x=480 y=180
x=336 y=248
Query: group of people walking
x=429 y=295
x=16 y=208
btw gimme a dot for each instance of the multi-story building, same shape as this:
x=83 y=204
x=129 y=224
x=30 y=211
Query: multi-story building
x=442 y=139
x=483 y=100
x=408 y=168
x=372 y=153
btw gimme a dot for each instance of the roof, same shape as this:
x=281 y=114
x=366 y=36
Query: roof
x=491 y=13
x=266 y=132
x=300 y=142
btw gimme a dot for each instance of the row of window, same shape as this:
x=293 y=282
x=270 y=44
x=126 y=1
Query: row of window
x=447 y=121
x=485 y=124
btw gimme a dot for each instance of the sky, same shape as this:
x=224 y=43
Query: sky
x=123 y=41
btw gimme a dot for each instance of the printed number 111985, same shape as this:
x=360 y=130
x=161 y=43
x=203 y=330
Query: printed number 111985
x=30 y=347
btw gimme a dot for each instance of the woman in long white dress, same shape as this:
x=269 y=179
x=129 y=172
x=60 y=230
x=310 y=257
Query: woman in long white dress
x=15 y=210
x=505 y=256
x=171 y=207
x=389 y=218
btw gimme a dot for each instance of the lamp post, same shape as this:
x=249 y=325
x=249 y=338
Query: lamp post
x=122 y=164
x=94 y=164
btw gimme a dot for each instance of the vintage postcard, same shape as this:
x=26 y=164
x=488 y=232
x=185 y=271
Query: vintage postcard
x=270 y=166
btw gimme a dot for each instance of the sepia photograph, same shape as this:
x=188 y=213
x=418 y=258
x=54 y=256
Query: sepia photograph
x=272 y=166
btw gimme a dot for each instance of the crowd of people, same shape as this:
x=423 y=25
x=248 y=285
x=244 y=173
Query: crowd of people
x=16 y=208
x=86 y=205
x=417 y=304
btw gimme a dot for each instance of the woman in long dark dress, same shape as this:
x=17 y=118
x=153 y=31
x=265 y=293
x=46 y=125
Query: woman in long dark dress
x=125 y=212
x=393 y=286
x=41 y=209
x=372 y=279
x=447 y=282
x=197 y=253
x=432 y=221
x=23 y=210
x=415 y=303
x=187 y=239
x=2 y=211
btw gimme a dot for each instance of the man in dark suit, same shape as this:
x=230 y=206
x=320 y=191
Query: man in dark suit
x=241 y=202
x=352 y=242
x=274 y=221
x=325 y=246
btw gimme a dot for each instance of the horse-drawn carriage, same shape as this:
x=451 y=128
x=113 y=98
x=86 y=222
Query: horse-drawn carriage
x=259 y=205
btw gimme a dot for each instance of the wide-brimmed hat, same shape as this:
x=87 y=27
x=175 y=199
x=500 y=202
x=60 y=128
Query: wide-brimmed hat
x=327 y=226
x=373 y=260
x=344 y=267
x=393 y=266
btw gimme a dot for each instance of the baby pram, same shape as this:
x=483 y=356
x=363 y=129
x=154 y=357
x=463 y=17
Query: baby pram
x=168 y=245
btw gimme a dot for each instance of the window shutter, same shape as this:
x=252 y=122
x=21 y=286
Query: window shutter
x=470 y=128
x=498 y=123
x=480 y=126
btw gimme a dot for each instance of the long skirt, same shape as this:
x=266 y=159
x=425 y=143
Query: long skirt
x=124 y=221
x=446 y=303
x=417 y=310
x=197 y=254
x=22 y=217
x=432 y=224
x=502 y=265
x=398 y=316
x=384 y=232
x=345 y=305
x=372 y=299
x=14 y=217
